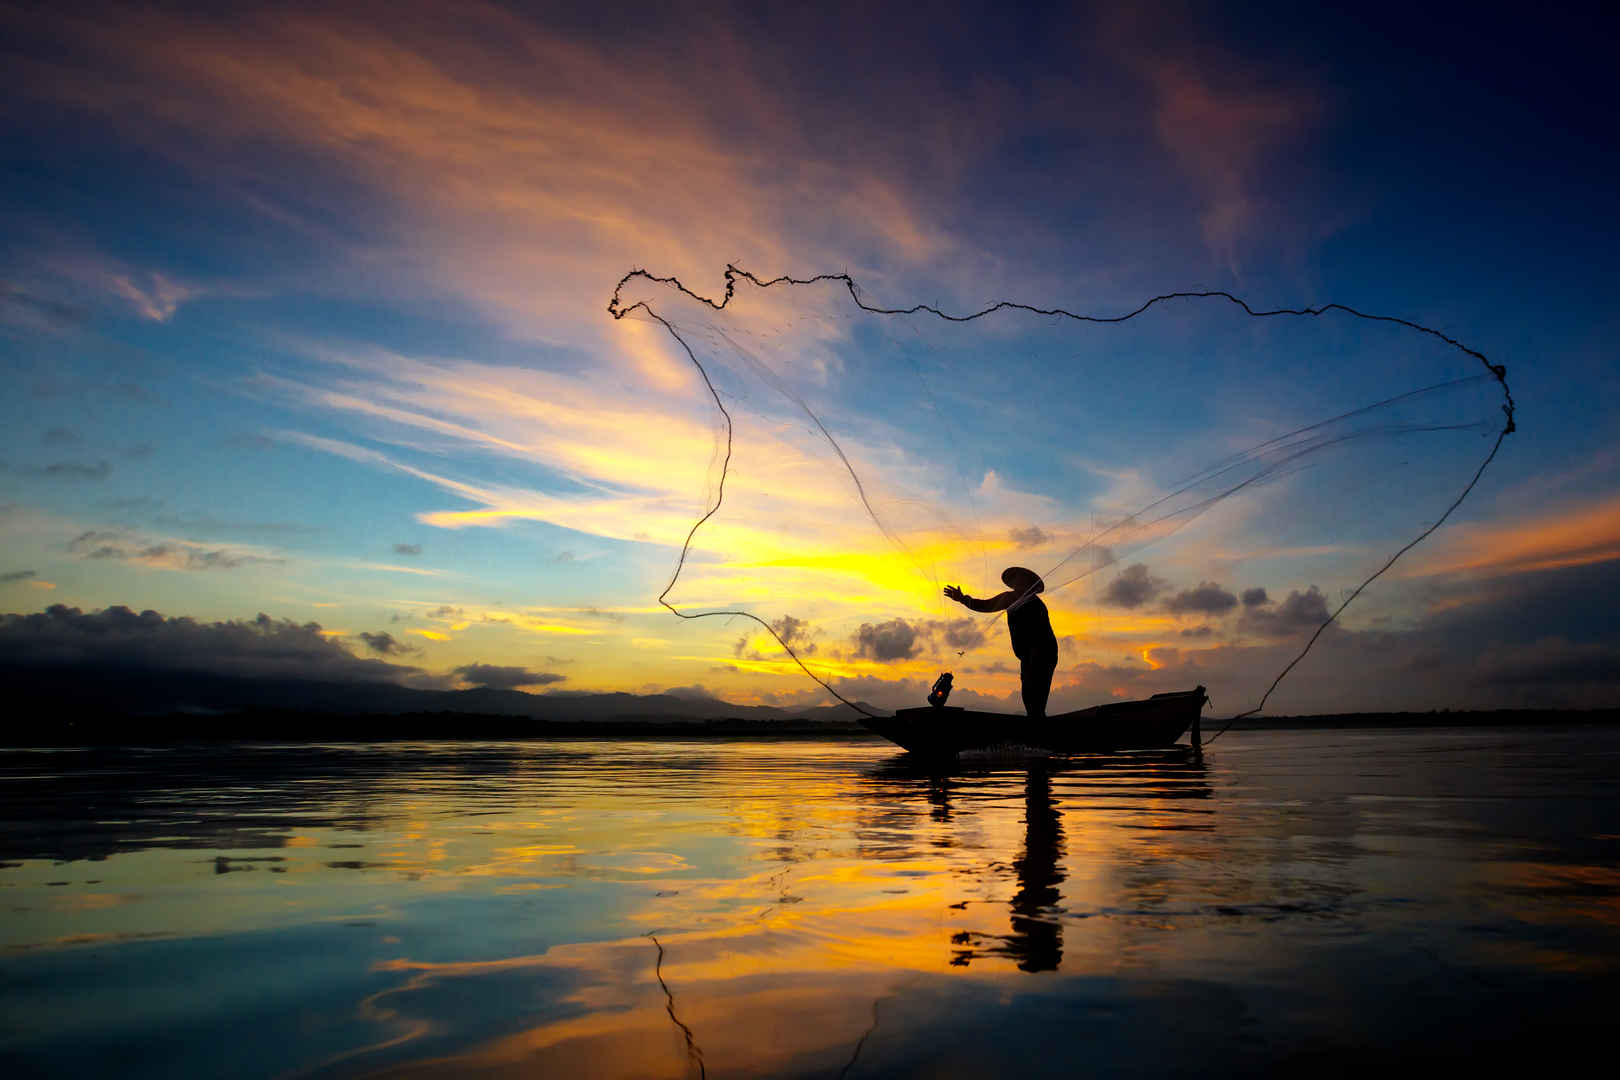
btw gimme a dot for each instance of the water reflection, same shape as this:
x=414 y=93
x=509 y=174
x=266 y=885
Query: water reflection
x=818 y=909
x=1034 y=941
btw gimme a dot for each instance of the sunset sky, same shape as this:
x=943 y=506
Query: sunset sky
x=304 y=312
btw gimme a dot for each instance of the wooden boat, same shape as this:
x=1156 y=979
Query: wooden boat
x=944 y=731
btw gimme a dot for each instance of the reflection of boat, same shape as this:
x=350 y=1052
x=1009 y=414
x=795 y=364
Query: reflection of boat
x=1155 y=722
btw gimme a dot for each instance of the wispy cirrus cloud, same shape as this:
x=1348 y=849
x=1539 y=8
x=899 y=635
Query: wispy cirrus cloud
x=26 y=307
x=153 y=295
x=63 y=470
x=393 y=568
x=536 y=157
x=167 y=553
x=89 y=277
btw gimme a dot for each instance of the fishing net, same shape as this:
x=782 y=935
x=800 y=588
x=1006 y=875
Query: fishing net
x=1201 y=485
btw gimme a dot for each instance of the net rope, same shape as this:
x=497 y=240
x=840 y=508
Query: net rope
x=618 y=309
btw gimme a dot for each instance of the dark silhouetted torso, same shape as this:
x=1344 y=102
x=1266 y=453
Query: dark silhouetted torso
x=1030 y=628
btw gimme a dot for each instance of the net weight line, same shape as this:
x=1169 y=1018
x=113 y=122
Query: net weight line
x=618 y=310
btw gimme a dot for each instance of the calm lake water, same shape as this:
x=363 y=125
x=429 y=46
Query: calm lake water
x=1330 y=901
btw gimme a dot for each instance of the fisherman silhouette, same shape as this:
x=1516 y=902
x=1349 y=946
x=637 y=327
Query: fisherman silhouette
x=1030 y=628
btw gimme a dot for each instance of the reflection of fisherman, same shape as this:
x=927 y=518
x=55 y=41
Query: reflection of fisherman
x=1036 y=940
x=1028 y=625
x=1037 y=935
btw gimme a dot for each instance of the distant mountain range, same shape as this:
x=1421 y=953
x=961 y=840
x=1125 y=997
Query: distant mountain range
x=51 y=699
x=73 y=704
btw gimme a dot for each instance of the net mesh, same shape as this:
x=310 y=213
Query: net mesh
x=1204 y=486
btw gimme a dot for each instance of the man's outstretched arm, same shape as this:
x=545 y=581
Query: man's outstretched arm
x=995 y=603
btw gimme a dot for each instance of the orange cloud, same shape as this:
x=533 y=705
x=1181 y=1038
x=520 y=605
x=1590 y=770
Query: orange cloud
x=1220 y=119
x=1577 y=536
x=1220 y=134
x=534 y=168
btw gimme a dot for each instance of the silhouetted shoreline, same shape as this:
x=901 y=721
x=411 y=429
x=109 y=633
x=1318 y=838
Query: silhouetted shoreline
x=277 y=725
x=83 y=704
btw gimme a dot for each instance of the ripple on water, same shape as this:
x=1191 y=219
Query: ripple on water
x=777 y=908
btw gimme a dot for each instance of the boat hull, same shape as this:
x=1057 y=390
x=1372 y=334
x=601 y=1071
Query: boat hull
x=1148 y=724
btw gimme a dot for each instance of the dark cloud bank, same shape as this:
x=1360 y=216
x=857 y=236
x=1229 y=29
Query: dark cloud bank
x=886 y=641
x=1547 y=640
x=119 y=638
x=795 y=633
x=897 y=639
x=504 y=678
x=1132 y=588
x=1207 y=598
x=1033 y=536
x=383 y=643
x=1300 y=613
x=1536 y=641
x=116 y=671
